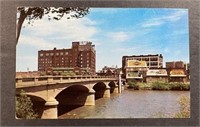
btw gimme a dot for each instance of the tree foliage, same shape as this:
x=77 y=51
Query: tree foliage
x=53 y=13
x=24 y=108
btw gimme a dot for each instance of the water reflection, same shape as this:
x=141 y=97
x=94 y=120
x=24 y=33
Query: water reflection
x=130 y=104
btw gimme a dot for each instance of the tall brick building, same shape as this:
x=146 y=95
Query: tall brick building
x=81 y=55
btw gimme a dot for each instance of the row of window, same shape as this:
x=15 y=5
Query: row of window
x=58 y=53
x=61 y=65
x=145 y=59
x=51 y=54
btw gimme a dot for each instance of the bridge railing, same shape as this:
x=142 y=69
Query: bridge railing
x=52 y=79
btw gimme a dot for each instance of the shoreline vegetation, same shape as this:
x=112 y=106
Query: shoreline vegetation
x=184 y=111
x=158 y=85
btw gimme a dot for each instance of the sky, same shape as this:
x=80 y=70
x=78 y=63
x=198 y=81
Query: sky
x=115 y=32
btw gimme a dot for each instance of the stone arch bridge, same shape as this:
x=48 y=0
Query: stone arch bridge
x=50 y=93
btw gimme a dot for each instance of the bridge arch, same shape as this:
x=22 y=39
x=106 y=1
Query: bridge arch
x=113 y=87
x=101 y=90
x=73 y=97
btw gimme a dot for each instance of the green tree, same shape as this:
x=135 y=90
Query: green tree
x=24 y=106
x=35 y=13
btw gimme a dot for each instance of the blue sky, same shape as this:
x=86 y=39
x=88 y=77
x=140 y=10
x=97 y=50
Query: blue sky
x=114 y=31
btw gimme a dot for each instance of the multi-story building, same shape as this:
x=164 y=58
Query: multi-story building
x=152 y=61
x=135 y=70
x=82 y=55
x=159 y=74
x=177 y=71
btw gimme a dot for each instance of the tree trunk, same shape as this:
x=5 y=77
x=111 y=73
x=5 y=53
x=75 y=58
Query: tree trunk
x=19 y=25
x=22 y=17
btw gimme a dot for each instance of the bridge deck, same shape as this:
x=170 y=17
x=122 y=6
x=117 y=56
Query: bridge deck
x=39 y=81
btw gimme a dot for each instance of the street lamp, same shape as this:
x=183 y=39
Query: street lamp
x=120 y=82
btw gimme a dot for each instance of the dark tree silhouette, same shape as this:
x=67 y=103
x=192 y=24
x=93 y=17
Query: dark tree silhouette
x=55 y=13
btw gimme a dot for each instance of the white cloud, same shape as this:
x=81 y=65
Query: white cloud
x=39 y=43
x=137 y=50
x=68 y=29
x=119 y=36
x=177 y=15
x=152 y=23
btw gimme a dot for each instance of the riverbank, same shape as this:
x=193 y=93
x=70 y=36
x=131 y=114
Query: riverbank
x=159 y=86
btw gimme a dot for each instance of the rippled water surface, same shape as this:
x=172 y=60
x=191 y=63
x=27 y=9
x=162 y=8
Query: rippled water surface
x=131 y=104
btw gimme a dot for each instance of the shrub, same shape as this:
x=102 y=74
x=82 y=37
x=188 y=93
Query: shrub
x=160 y=86
x=170 y=86
x=179 y=86
x=175 y=86
x=24 y=108
x=186 y=86
x=133 y=84
x=68 y=74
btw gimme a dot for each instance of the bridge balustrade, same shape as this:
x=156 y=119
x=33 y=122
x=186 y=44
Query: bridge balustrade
x=54 y=79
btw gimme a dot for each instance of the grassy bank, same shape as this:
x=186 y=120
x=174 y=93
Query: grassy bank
x=158 y=86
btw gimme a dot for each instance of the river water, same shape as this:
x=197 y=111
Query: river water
x=131 y=104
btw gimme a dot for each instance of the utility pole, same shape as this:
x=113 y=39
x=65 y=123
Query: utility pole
x=120 y=82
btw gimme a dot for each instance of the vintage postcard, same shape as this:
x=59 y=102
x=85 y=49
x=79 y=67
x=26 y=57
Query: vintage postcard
x=84 y=63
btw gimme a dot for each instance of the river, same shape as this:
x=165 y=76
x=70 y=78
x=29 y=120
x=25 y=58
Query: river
x=131 y=104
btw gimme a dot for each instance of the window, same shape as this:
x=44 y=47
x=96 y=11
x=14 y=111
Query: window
x=57 y=53
x=41 y=54
x=66 y=53
x=47 y=54
x=51 y=54
x=61 y=53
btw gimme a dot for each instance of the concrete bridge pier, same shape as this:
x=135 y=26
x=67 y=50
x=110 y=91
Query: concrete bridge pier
x=122 y=87
x=90 y=100
x=107 y=91
x=50 y=109
x=116 y=89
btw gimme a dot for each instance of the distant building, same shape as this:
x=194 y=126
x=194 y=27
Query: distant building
x=177 y=75
x=175 y=64
x=159 y=74
x=153 y=61
x=136 y=66
x=178 y=71
x=81 y=57
x=135 y=70
x=109 y=71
